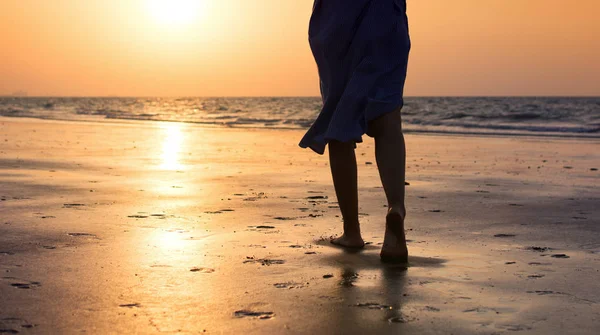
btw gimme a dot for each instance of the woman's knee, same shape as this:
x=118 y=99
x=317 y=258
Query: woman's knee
x=389 y=123
x=341 y=146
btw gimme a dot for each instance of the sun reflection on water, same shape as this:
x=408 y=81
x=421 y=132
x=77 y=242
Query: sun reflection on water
x=172 y=146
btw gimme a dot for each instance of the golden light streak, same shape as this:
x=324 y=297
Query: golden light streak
x=172 y=147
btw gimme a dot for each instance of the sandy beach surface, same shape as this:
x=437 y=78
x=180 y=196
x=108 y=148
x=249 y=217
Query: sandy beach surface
x=148 y=227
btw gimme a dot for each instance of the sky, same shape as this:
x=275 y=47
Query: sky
x=260 y=48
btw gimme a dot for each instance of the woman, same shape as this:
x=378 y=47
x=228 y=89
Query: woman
x=361 y=48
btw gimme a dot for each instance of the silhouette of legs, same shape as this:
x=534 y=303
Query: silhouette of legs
x=390 y=152
x=343 y=169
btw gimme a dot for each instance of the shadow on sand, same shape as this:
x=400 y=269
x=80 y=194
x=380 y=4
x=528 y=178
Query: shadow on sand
x=373 y=294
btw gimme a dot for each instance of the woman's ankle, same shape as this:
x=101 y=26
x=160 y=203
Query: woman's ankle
x=352 y=230
x=397 y=209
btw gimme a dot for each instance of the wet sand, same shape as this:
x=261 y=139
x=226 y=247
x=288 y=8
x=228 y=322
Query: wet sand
x=164 y=227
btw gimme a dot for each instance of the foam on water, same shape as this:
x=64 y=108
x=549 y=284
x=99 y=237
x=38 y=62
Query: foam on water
x=487 y=115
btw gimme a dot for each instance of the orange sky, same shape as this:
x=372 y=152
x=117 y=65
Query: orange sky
x=259 y=47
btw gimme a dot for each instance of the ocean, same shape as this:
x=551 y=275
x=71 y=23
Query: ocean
x=531 y=116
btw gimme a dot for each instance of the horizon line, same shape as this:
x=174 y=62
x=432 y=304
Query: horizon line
x=286 y=96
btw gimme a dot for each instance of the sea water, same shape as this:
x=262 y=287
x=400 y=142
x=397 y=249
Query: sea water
x=535 y=116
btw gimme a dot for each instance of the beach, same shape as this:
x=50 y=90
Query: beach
x=148 y=227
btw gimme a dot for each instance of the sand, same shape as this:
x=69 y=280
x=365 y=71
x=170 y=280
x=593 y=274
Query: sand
x=143 y=227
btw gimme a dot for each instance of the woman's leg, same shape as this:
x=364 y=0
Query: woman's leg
x=390 y=152
x=343 y=169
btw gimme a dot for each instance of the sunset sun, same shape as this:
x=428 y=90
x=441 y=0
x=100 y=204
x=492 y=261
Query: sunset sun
x=175 y=12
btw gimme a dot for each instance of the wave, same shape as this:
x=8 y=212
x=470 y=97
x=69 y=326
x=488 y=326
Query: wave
x=525 y=116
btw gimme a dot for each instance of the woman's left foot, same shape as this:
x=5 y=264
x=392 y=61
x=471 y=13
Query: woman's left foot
x=346 y=241
x=394 y=248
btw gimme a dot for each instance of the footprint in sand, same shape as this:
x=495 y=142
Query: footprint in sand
x=399 y=319
x=481 y=310
x=135 y=305
x=289 y=285
x=264 y=261
x=137 y=216
x=262 y=227
x=505 y=235
x=254 y=315
x=11 y=325
x=15 y=198
x=84 y=235
x=202 y=270
x=256 y=246
x=74 y=205
x=536 y=276
x=317 y=197
x=514 y=328
x=25 y=286
x=257 y=196
x=545 y=292
x=284 y=218
x=372 y=305
x=538 y=249
x=22 y=284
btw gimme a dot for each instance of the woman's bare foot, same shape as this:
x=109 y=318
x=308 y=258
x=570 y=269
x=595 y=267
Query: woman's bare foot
x=394 y=248
x=349 y=241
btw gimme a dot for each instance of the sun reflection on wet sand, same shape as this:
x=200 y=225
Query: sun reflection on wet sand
x=170 y=240
x=172 y=146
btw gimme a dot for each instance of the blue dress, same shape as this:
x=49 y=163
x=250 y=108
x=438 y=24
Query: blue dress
x=361 y=48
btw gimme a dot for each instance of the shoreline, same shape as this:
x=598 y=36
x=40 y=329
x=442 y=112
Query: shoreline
x=117 y=121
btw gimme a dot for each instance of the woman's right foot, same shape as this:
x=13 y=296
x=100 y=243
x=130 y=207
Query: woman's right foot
x=394 y=248
x=348 y=241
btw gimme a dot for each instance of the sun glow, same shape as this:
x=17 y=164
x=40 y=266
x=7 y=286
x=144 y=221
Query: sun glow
x=172 y=146
x=175 y=12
